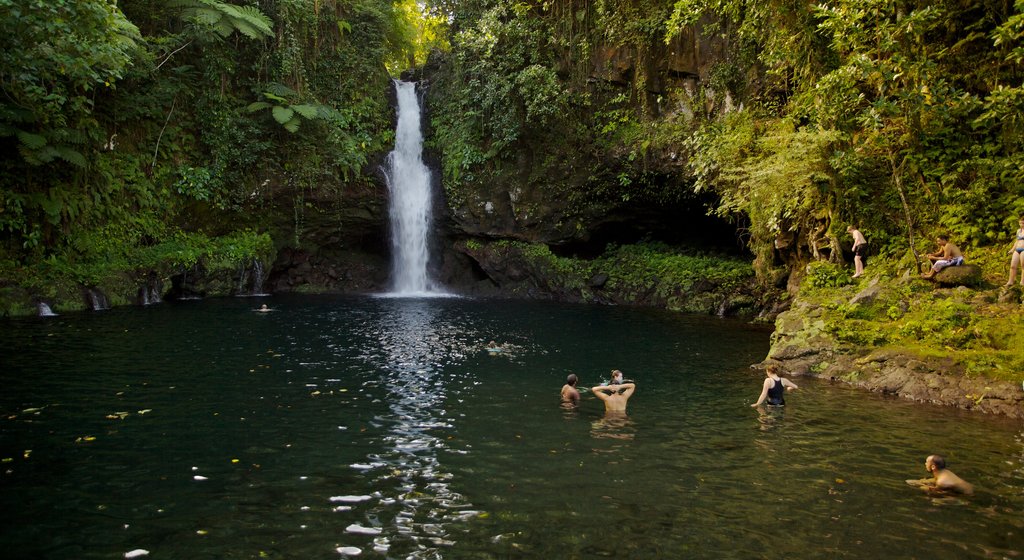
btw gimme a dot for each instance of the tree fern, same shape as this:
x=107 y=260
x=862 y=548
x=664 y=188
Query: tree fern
x=225 y=18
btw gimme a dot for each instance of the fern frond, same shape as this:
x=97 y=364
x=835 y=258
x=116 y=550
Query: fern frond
x=258 y=106
x=307 y=111
x=71 y=156
x=280 y=89
x=31 y=141
x=283 y=114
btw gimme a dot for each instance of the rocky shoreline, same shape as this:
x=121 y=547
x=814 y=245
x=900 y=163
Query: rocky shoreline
x=802 y=347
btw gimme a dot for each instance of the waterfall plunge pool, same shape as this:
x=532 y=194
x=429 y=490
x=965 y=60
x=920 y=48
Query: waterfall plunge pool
x=337 y=425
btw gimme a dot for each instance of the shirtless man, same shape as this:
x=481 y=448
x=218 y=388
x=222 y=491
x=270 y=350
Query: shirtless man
x=947 y=255
x=569 y=393
x=860 y=251
x=944 y=479
x=614 y=396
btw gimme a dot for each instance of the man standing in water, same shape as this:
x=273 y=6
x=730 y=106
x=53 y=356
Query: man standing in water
x=614 y=396
x=570 y=395
x=944 y=479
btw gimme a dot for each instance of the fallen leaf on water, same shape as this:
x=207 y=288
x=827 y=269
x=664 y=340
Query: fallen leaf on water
x=145 y=410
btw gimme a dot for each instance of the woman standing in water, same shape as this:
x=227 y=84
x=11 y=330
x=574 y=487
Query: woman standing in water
x=1017 y=254
x=774 y=388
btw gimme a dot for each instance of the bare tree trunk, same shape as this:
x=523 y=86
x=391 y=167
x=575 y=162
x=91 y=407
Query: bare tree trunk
x=897 y=173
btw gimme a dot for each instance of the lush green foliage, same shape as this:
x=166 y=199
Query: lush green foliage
x=134 y=127
x=914 y=109
x=640 y=273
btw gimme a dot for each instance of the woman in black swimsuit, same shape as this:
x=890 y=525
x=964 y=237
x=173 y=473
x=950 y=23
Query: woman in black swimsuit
x=774 y=387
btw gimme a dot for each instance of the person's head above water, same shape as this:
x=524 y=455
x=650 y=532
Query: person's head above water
x=616 y=377
x=771 y=370
x=571 y=380
x=936 y=461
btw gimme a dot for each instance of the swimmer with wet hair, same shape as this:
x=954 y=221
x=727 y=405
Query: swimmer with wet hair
x=942 y=478
x=570 y=394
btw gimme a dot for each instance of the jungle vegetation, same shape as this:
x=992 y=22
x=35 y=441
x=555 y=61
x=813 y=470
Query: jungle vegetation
x=903 y=117
x=140 y=132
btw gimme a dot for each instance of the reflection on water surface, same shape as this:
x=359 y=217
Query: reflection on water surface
x=383 y=426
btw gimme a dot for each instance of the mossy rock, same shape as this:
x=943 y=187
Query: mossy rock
x=963 y=275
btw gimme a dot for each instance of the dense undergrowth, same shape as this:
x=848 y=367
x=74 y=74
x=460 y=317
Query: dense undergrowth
x=641 y=274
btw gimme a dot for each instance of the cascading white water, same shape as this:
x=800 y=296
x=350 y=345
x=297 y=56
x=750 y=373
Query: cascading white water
x=408 y=181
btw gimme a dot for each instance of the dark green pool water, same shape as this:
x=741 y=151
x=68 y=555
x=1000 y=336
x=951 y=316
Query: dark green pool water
x=382 y=425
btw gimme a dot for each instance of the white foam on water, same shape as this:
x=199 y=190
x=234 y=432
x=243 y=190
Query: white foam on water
x=350 y=499
x=137 y=553
x=348 y=551
x=360 y=530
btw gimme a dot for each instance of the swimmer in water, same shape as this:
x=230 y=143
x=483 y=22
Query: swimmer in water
x=942 y=478
x=264 y=309
x=570 y=395
x=774 y=388
x=614 y=396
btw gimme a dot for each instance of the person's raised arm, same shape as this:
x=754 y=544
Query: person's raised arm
x=764 y=393
x=627 y=389
x=599 y=392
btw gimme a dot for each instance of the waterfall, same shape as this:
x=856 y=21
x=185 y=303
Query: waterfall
x=149 y=293
x=44 y=310
x=250 y=279
x=257 y=278
x=96 y=300
x=408 y=181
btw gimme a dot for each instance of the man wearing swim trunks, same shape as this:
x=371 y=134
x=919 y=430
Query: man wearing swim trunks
x=860 y=251
x=947 y=255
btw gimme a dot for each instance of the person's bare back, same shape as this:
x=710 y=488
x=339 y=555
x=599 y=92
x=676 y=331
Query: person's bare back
x=570 y=395
x=614 y=396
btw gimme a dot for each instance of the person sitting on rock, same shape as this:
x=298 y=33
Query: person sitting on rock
x=947 y=255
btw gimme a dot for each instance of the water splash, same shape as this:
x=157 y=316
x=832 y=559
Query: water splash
x=408 y=181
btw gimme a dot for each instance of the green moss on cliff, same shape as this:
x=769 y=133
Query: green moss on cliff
x=913 y=316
